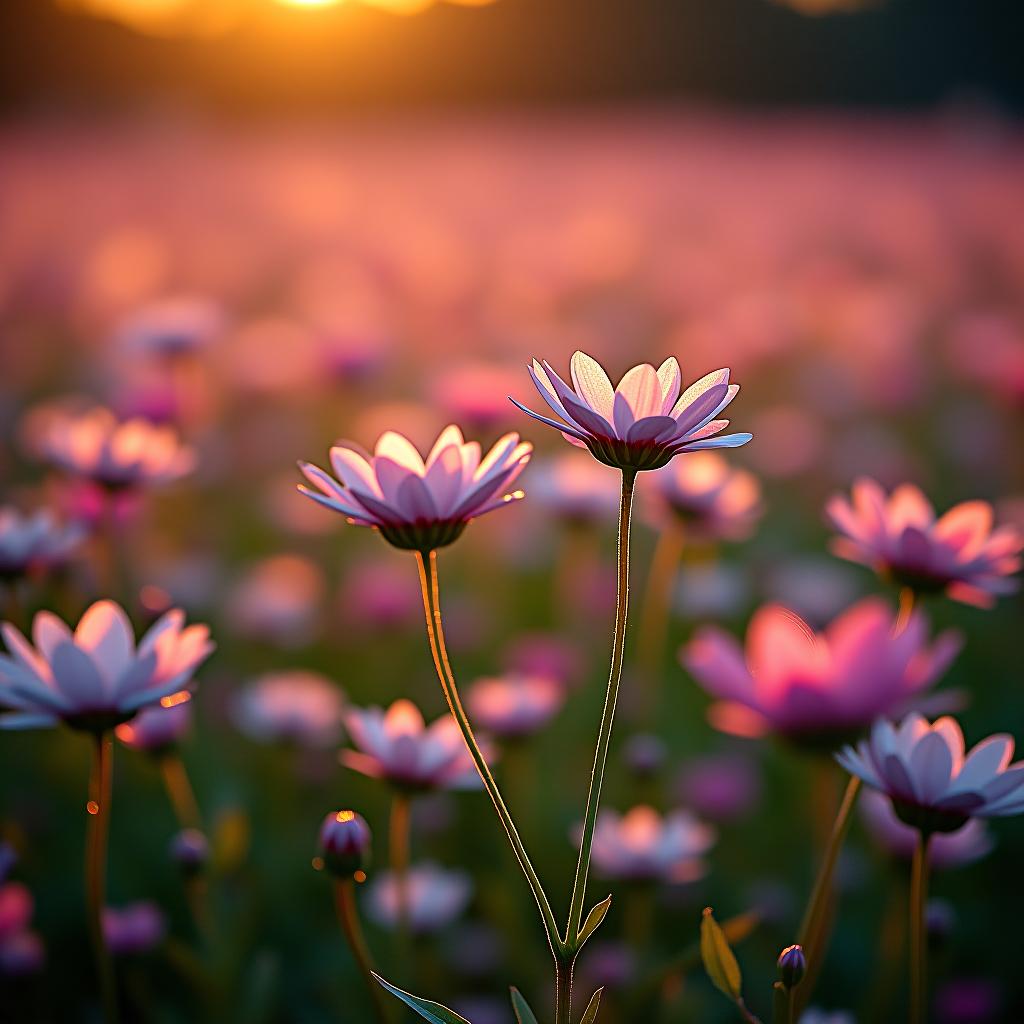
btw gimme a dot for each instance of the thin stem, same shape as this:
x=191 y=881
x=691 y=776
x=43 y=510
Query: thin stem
x=906 y=609
x=179 y=791
x=98 y=829
x=918 y=938
x=399 y=830
x=604 y=734
x=563 y=989
x=657 y=599
x=435 y=634
x=782 y=1004
x=348 y=918
x=812 y=927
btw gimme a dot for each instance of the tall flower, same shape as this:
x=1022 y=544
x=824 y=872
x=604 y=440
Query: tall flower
x=811 y=686
x=418 y=504
x=398 y=746
x=900 y=537
x=642 y=423
x=33 y=542
x=117 y=454
x=933 y=785
x=95 y=677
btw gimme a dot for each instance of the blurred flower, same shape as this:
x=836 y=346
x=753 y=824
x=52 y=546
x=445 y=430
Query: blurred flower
x=277 y=600
x=577 y=491
x=419 y=505
x=16 y=906
x=969 y=1001
x=134 y=928
x=947 y=849
x=644 y=754
x=116 y=454
x=434 y=898
x=940 y=916
x=158 y=728
x=514 y=705
x=8 y=859
x=474 y=394
x=711 y=498
x=811 y=686
x=932 y=785
x=813 y=1015
x=35 y=542
x=21 y=949
x=95 y=678
x=170 y=328
x=791 y=440
x=304 y=708
x=396 y=745
x=643 y=422
x=720 y=786
x=988 y=347
x=344 y=843
x=712 y=589
x=544 y=654
x=641 y=845
x=190 y=850
x=611 y=964
x=900 y=537
x=380 y=595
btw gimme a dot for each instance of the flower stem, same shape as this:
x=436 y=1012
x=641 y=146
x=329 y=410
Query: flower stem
x=427 y=563
x=812 y=928
x=348 y=918
x=604 y=734
x=906 y=609
x=399 y=828
x=179 y=791
x=96 y=868
x=918 y=938
x=782 y=1004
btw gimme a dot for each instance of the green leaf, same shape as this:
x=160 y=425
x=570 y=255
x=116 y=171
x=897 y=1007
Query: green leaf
x=524 y=1015
x=434 y=1012
x=590 y=1014
x=593 y=921
x=718 y=958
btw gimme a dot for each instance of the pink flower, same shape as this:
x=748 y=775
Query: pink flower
x=134 y=928
x=809 y=686
x=433 y=898
x=171 y=328
x=96 y=445
x=578 y=491
x=34 y=541
x=344 y=843
x=398 y=746
x=96 y=677
x=712 y=499
x=643 y=422
x=419 y=505
x=899 y=536
x=641 y=845
x=157 y=728
x=515 y=705
x=947 y=850
x=290 y=707
x=933 y=786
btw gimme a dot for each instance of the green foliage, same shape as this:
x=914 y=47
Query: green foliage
x=433 y=1012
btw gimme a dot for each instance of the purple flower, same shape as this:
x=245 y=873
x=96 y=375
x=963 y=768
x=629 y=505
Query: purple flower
x=134 y=928
x=576 y=490
x=720 y=786
x=157 y=728
x=947 y=849
x=808 y=686
x=96 y=445
x=933 y=786
x=190 y=850
x=96 y=677
x=345 y=843
x=35 y=541
x=711 y=498
x=298 y=707
x=419 y=505
x=399 y=747
x=899 y=536
x=434 y=897
x=641 y=845
x=515 y=705
x=643 y=422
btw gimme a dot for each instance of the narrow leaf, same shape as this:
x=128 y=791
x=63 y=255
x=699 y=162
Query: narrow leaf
x=524 y=1015
x=590 y=1014
x=593 y=921
x=434 y=1012
x=718 y=958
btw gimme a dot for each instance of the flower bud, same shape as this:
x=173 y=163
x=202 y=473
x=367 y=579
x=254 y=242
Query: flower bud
x=792 y=964
x=345 y=843
x=190 y=851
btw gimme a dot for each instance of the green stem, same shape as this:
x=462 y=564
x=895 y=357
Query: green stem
x=607 y=716
x=348 y=918
x=782 y=1004
x=427 y=563
x=812 y=928
x=96 y=868
x=918 y=938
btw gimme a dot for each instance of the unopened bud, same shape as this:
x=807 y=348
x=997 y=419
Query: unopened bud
x=345 y=843
x=792 y=965
x=190 y=851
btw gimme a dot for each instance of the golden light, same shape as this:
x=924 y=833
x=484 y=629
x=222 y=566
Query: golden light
x=310 y=3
